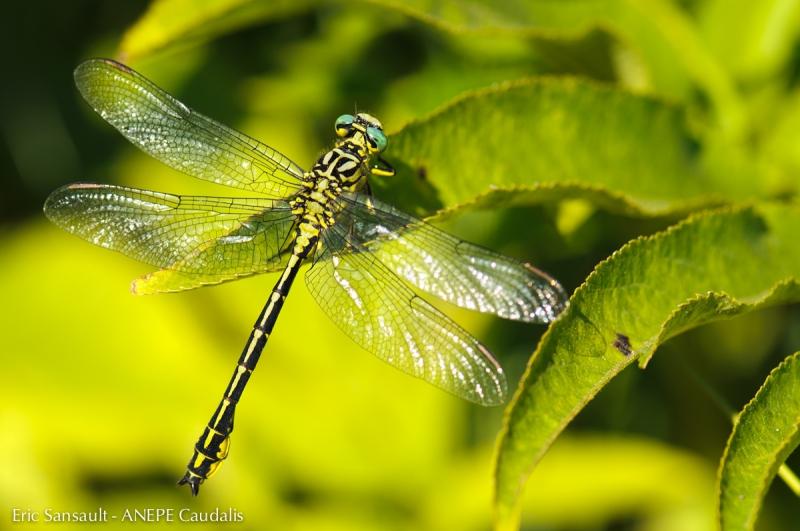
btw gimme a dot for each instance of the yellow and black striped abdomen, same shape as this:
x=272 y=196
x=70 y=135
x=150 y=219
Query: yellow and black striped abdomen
x=212 y=446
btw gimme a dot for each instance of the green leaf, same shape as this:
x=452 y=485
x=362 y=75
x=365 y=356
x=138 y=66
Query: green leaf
x=111 y=363
x=713 y=266
x=781 y=126
x=668 y=54
x=628 y=480
x=168 y=23
x=672 y=54
x=545 y=139
x=455 y=63
x=764 y=434
x=752 y=39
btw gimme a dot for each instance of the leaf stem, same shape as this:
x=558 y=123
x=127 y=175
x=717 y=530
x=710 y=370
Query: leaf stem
x=784 y=472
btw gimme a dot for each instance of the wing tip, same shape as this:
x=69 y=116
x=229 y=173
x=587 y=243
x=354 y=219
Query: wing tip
x=497 y=398
x=87 y=73
x=99 y=62
x=499 y=393
x=50 y=207
x=555 y=296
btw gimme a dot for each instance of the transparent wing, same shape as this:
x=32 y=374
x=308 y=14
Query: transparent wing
x=178 y=136
x=458 y=272
x=199 y=240
x=380 y=313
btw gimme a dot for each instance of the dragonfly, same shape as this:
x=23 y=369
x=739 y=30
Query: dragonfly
x=366 y=256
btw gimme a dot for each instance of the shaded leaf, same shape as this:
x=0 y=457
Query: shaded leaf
x=673 y=56
x=764 y=434
x=713 y=266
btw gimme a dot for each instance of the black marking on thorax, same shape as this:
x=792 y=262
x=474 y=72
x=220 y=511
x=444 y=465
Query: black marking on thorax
x=340 y=164
x=342 y=169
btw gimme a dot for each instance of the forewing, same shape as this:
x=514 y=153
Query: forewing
x=380 y=313
x=178 y=136
x=198 y=240
x=458 y=272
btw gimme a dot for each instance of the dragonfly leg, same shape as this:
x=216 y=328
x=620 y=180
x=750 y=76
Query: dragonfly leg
x=382 y=168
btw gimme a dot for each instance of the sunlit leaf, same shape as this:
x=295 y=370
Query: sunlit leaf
x=764 y=434
x=781 y=128
x=752 y=39
x=542 y=140
x=575 y=489
x=714 y=266
x=183 y=22
x=128 y=382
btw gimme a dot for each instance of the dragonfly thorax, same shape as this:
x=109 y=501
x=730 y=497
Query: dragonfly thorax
x=344 y=168
x=339 y=170
x=343 y=165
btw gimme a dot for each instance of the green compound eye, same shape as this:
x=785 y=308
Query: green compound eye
x=377 y=138
x=343 y=124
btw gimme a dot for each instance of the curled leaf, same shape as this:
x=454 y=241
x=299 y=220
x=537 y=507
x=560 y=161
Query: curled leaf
x=548 y=138
x=713 y=266
x=764 y=434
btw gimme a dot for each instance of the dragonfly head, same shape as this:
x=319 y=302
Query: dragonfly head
x=362 y=130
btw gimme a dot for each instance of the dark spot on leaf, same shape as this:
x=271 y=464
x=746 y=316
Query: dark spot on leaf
x=422 y=173
x=623 y=344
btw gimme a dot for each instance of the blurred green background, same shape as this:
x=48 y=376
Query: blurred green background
x=104 y=393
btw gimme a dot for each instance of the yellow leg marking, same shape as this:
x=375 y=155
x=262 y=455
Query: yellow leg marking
x=380 y=172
